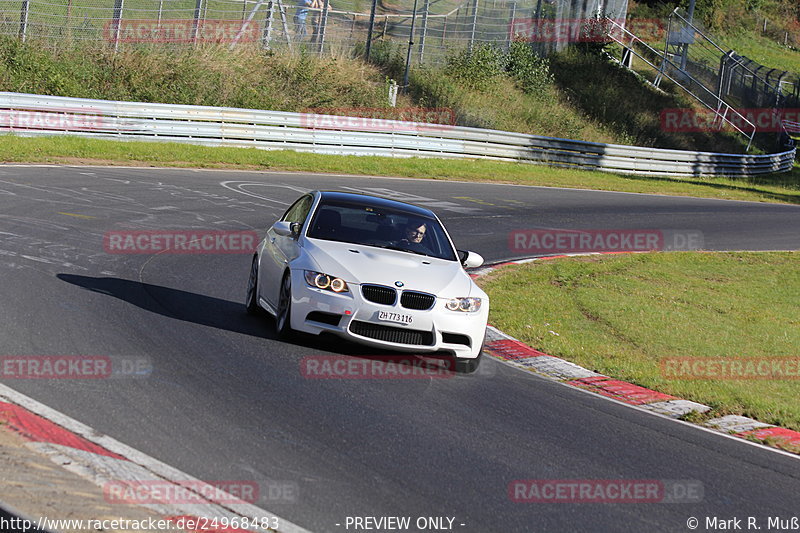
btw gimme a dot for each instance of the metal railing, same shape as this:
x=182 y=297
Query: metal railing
x=666 y=67
x=30 y=114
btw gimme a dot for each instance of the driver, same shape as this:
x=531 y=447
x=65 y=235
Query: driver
x=413 y=237
x=414 y=233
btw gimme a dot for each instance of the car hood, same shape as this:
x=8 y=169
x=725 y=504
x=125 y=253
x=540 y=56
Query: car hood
x=358 y=264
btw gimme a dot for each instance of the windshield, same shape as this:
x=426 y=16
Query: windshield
x=381 y=227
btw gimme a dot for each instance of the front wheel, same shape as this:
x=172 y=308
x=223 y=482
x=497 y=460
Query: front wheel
x=251 y=302
x=468 y=366
x=283 y=317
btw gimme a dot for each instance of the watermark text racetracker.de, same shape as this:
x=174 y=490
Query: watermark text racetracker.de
x=55 y=119
x=605 y=491
x=180 y=242
x=566 y=241
x=181 y=31
x=386 y=367
x=82 y=367
x=169 y=523
x=731 y=368
x=546 y=30
x=223 y=492
x=764 y=119
x=379 y=119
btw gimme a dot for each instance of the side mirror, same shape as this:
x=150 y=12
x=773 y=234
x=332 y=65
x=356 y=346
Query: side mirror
x=286 y=229
x=470 y=259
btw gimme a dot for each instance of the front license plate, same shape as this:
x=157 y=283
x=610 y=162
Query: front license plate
x=395 y=317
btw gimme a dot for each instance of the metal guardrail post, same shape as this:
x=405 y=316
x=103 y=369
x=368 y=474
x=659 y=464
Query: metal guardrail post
x=23 y=19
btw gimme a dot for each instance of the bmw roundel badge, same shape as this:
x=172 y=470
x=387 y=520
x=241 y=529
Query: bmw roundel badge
x=398 y=283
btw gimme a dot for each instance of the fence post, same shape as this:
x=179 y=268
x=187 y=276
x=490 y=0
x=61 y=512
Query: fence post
x=23 y=20
x=118 y=6
x=410 y=45
x=423 y=30
x=284 y=23
x=368 y=47
x=69 y=20
x=267 y=37
x=662 y=67
x=474 y=26
x=511 y=24
x=198 y=11
x=322 y=25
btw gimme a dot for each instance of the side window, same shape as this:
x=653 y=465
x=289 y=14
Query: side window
x=299 y=210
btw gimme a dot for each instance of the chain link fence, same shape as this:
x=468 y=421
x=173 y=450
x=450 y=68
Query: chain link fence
x=694 y=50
x=430 y=28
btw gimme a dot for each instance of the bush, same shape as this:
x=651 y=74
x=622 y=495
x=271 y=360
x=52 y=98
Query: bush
x=531 y=72
x=206 y=75
x=386 y=55
x=478 y=70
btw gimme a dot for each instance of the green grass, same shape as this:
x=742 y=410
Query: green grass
x=729 y=18
x=76 y=150
x=207 y=75
x=623 y=315
x=764 y=51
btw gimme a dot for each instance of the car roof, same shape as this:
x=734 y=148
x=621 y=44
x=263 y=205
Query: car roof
x=374 y=201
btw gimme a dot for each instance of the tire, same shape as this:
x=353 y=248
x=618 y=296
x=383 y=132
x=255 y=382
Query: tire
x=283 y=316
x=468 y=366
x=251 y=300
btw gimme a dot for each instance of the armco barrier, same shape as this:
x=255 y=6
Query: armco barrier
x=29 y=114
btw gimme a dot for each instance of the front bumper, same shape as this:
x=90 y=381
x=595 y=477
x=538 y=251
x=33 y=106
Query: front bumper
x=437 y=329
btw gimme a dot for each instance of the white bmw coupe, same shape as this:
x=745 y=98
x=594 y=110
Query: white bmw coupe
x=375 y=271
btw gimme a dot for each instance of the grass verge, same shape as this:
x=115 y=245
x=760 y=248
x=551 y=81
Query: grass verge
x=626 y=315
x=77 y=150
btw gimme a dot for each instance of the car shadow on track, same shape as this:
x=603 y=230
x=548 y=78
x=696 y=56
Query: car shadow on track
x=177 y=303
x=210 y=311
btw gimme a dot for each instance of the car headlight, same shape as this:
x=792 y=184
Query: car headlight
x=325 y=282
x=465 y=305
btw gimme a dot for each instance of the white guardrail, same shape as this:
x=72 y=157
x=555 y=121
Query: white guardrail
x=29 y=114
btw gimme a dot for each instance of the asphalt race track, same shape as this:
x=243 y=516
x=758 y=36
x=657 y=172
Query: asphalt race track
x=227 y=401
